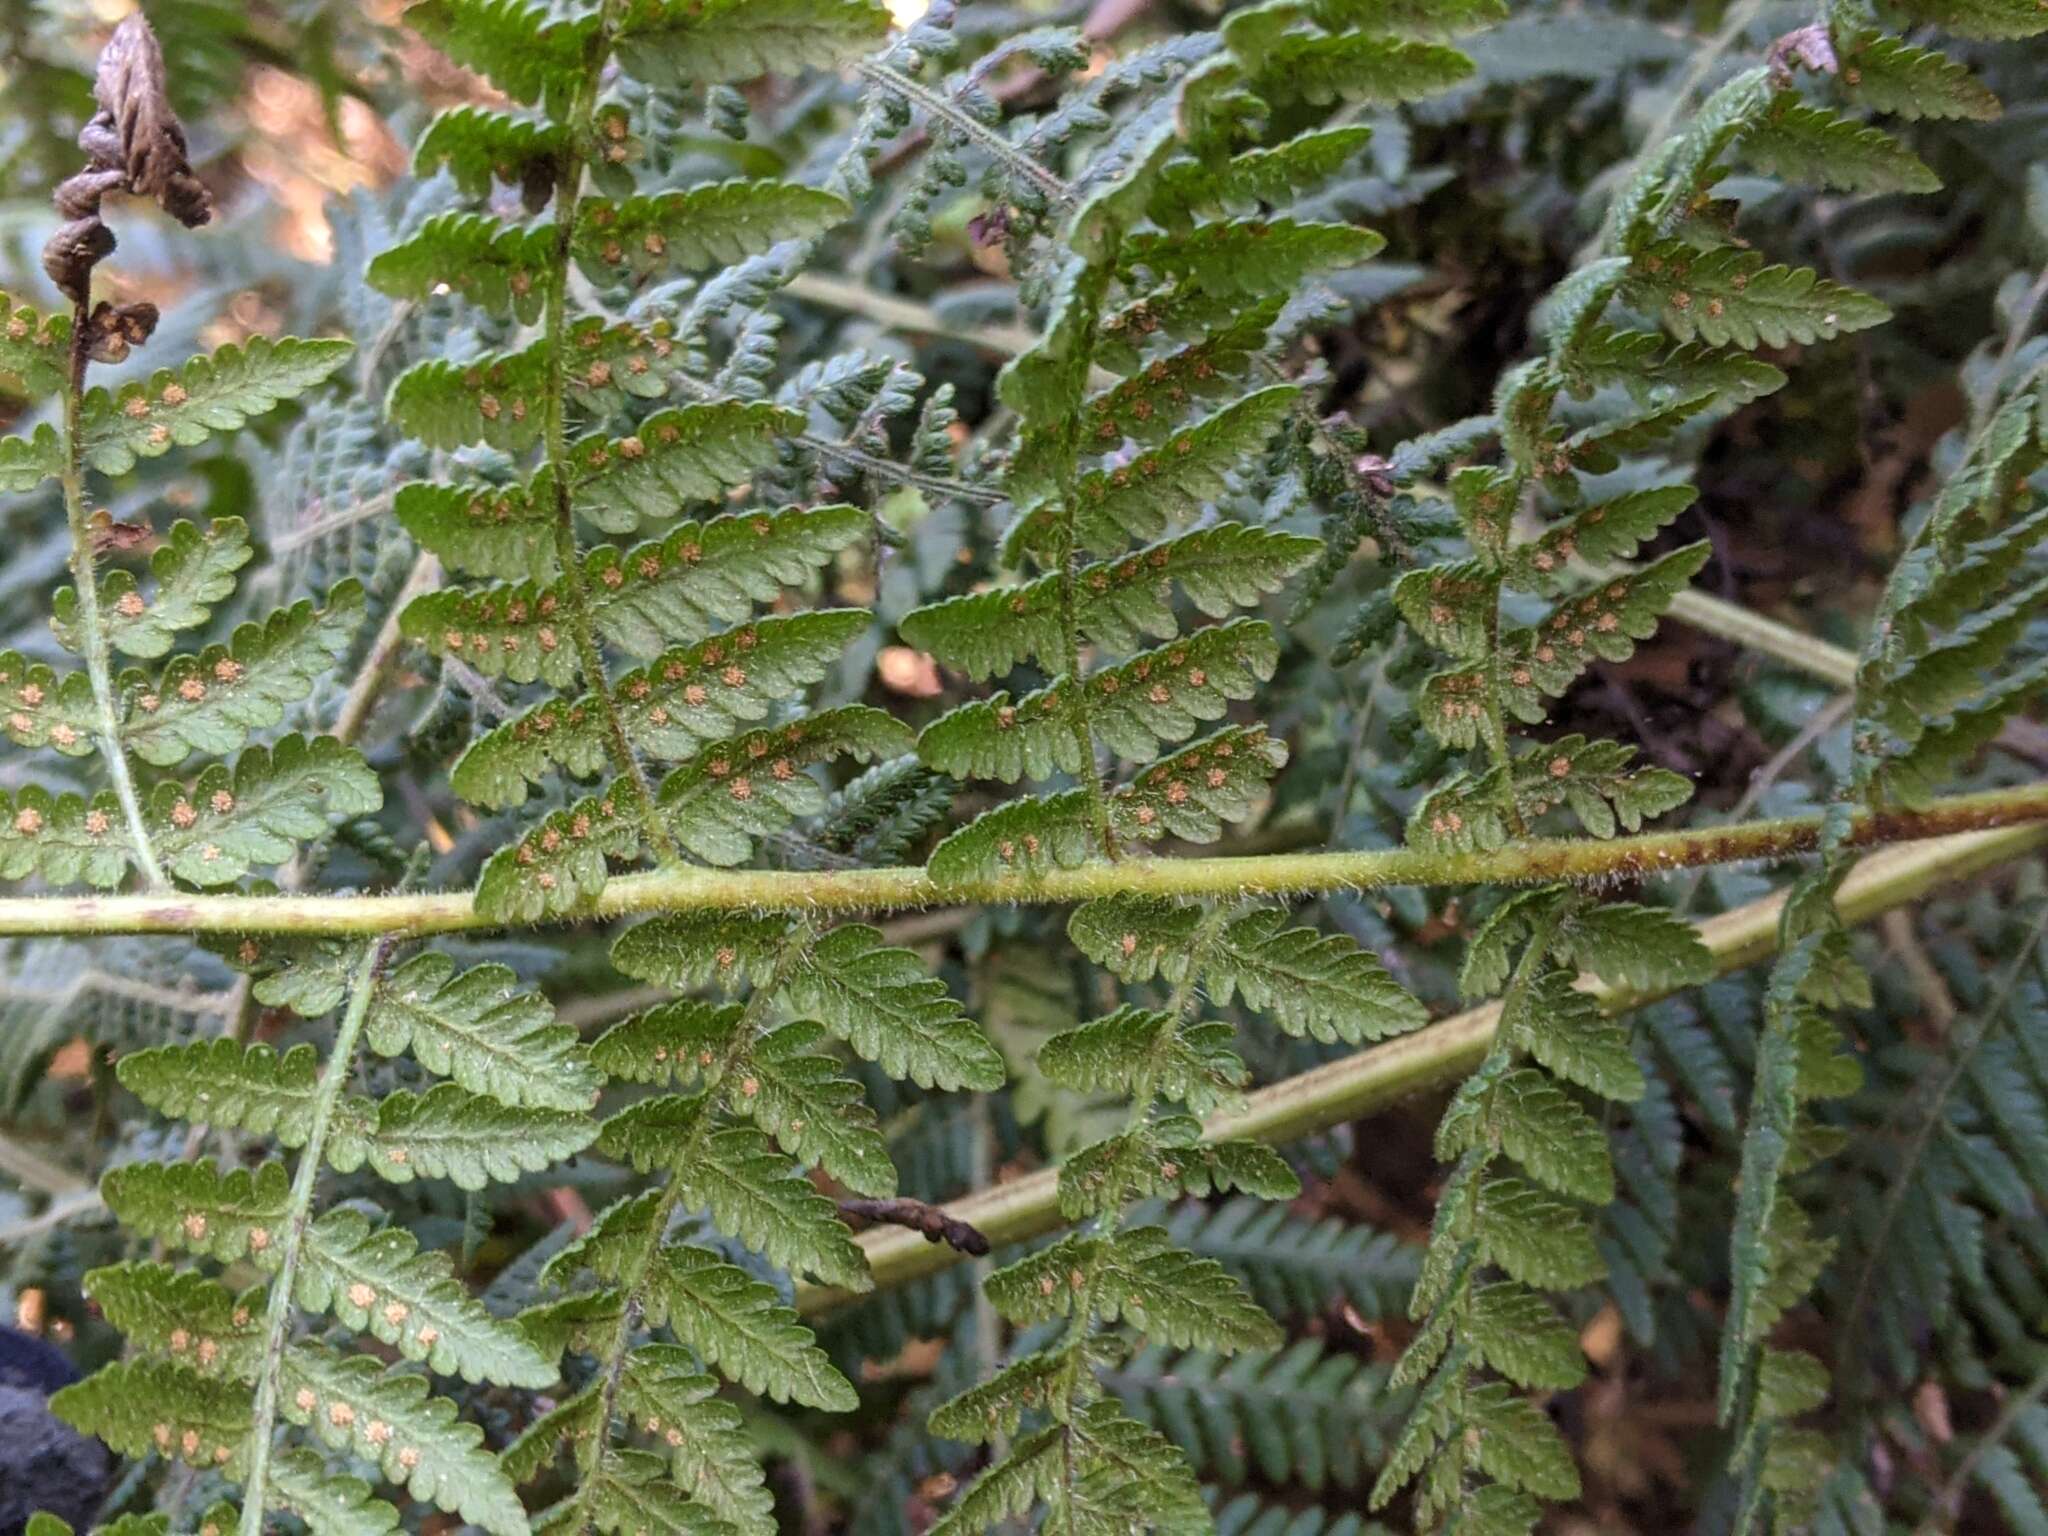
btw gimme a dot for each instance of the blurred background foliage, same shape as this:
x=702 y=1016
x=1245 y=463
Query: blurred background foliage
x=299 y=113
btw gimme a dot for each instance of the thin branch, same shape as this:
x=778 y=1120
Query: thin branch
x=970 y=128
x=575 y=594
x=1951 y=1494
x=900 y=888
x=368 y=686
x=1361 y=1084
x=298 y=1213
x=92 y=629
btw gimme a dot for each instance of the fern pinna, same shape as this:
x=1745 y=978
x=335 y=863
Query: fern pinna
x=212 y=1370
x=1534 y=593
x=1936 y=679
x=1150 y=393
x=590 y=397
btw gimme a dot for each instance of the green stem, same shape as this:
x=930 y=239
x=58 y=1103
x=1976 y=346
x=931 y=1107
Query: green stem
x=1368 y=1081
x=575 y=592
x=633 y=1275
x=92 y=632
x=298 y=1213
x=1534 y=862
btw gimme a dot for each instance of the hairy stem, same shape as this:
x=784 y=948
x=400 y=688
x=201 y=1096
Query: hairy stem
x=1373 y=1079
x=1533 y=862
x=575 y=593
x=633 y=1277
x=92 y=633
x=298 y=1213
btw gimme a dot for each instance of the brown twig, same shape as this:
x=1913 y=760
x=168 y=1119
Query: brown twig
x=933 y=1222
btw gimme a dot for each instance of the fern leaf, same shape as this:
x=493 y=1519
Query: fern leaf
x=1728 y=297
x=559 y=864
x=229 y=822
x=477 y=1029
x=994 y=1409
x=1119 y=602
x=1160 y=696
x=35 y=349
x=715 y=224
x=1162 y=486
x=359 y=1405
x=1813 y=146
x=628 y=1493
x=751 y=1191
x=669 y=592
x=227 y=1216
x=668 y=1044
x=1634 y=946
x=1188 y=795
x=1434 y=21
x=1351 y=67
x=706 y=1440
x=1889 y=74
x=1989 y=19
x=302 y=1484
x=884 y=1003
x=478 y=147
x=1169 y=1157
x=1126 y=1475
x=754 y=785
x=527 y=53
x=194 y=569
x=740 y=1326
x=1654 y=372
x=1255 y=176
x=214 y=393
x=1564 y=1029
x=1191 y=1062
x=1169 y=1294
x=181 y=1316
x=499 y=267
x=1595 y=780
x=815 y=1112
x=211 y=702
x=1516 y=1443
x=1250 y=259
x=1539 y=1125
x=496 y=399
x=26 y=462
x=694 y=453
x=1148 y=405
x=1544 y=660
x=1030 y=1471
x=506 y=531
x=64 y=838
x=668 y=43
x=1516 y=1332
x=1614 y=530
x=450 y=1133
x=1537 y=1238
x=1319 y=985
x=149 y=1407
x=228 y=1085
x=377 y=1281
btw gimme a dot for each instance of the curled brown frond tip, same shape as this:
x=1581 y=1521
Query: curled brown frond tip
x=134 y=144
